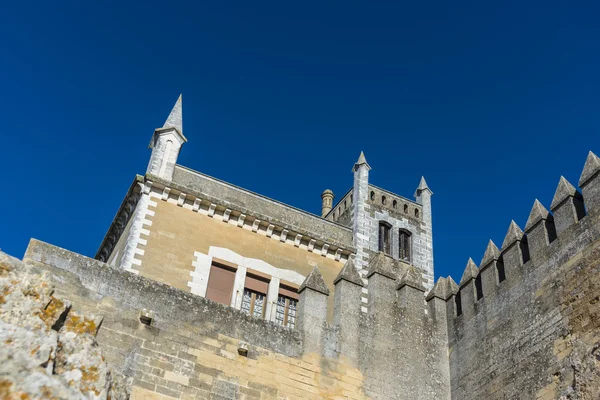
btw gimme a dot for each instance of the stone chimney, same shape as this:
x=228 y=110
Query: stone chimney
x=327 y=202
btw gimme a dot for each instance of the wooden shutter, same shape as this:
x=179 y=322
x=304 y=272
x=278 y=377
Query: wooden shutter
x=288 y=289
x=220 y=284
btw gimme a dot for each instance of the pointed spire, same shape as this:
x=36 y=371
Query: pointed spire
x=491 y=253
x=422 y=186
x=349 y=273
x=175 y=119
x=513 y=234
x=563 y=191
x=315 y=282
x=538 y=213
x=382 y=266
x=361 y=161
x=440 y=290
x=471 y=272
x=591 y=168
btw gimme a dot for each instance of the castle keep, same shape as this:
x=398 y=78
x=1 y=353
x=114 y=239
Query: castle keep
x=209 y=290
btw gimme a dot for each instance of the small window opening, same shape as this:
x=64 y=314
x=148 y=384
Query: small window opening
x=406 y=209
x=500 y=270
x=458 y=303
x=255 y=296
x=384 y=237
x=416 y=213
x=383 y=200
x=478 y=287
x=524 y=249
x=404 y=245
x=345 y=204
x=394 y=204
x=372 y=195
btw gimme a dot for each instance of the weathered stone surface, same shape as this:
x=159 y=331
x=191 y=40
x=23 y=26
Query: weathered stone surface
x=349 y=273
x=537 y=214
x=513 y=234
x=36 y=361
x=491 y=253
x=591 y=168
x=470 y=272
x=412 y=278
x=315 y=282
x=564 y=190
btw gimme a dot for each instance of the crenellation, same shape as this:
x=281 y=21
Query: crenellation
x=567 y=206
x=589 y=183
x=540 y=230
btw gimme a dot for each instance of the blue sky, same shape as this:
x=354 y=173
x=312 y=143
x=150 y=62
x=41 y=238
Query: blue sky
x=492 y=102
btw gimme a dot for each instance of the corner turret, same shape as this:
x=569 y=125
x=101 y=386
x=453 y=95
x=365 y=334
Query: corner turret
x=166 y=143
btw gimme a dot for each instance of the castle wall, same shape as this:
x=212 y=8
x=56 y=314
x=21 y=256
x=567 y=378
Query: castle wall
x=190 y=351
x=535 y=335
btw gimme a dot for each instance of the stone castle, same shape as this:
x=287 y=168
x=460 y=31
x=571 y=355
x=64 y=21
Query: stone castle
x=209 y=290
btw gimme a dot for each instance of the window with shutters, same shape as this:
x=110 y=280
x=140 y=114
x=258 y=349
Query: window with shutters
x=384 y=237
x=220 y=283
x=254 y=298
x=405 y=245
x=287 y=304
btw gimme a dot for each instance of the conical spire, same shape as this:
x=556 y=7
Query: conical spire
x=591 y=167
x=315 y=282
x=491 y=253
x=361 y=161
x=471 y=272
x=349 y=273
x=538 y=213
x=514 y=233
x=563 y=191
x=411 y=278
x=422 y=186
x=175 y=119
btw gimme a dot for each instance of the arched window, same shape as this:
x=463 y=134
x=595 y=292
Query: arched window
x=404 y=244
x=394 y=204
x=383 y=200
x=372 y=195
x=416 y=213
x=406 y=209
x=384 y=237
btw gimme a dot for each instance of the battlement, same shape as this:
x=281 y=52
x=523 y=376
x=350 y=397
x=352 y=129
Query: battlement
x=506 y=315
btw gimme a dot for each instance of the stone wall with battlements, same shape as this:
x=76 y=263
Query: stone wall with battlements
x=527 y=324
x=194 y=348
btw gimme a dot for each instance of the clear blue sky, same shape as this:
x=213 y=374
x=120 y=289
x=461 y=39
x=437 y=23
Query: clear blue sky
x=491 y=101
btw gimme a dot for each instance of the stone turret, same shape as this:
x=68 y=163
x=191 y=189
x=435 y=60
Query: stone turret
x=326 y=202
x=423 y=196
x=166 y=144
x=361 y=211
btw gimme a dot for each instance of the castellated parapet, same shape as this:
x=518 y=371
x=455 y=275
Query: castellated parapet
x=212 y=291
x=526 y=324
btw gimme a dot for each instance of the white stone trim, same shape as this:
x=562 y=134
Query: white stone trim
x=202 y=262
x=241 y=219
x=181 y=199
x=226 y=215
x=255 y=225
x=211 y=210
x=138 y=221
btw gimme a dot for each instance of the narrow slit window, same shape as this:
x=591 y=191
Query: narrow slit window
x=458 y=303
x=405 y=245
x=478 y=287
x=384 y=237
x=500 y=270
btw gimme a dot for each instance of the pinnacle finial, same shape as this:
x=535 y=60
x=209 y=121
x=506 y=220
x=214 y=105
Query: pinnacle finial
x=175 y=119
x=538 y=213
x=349 y=273
x=361 y=161
x=491 y=253
x=315 y=282
x=422 y=186
x=591 y=168
x=513 y=234
x=471 y=272
x=563 y=191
